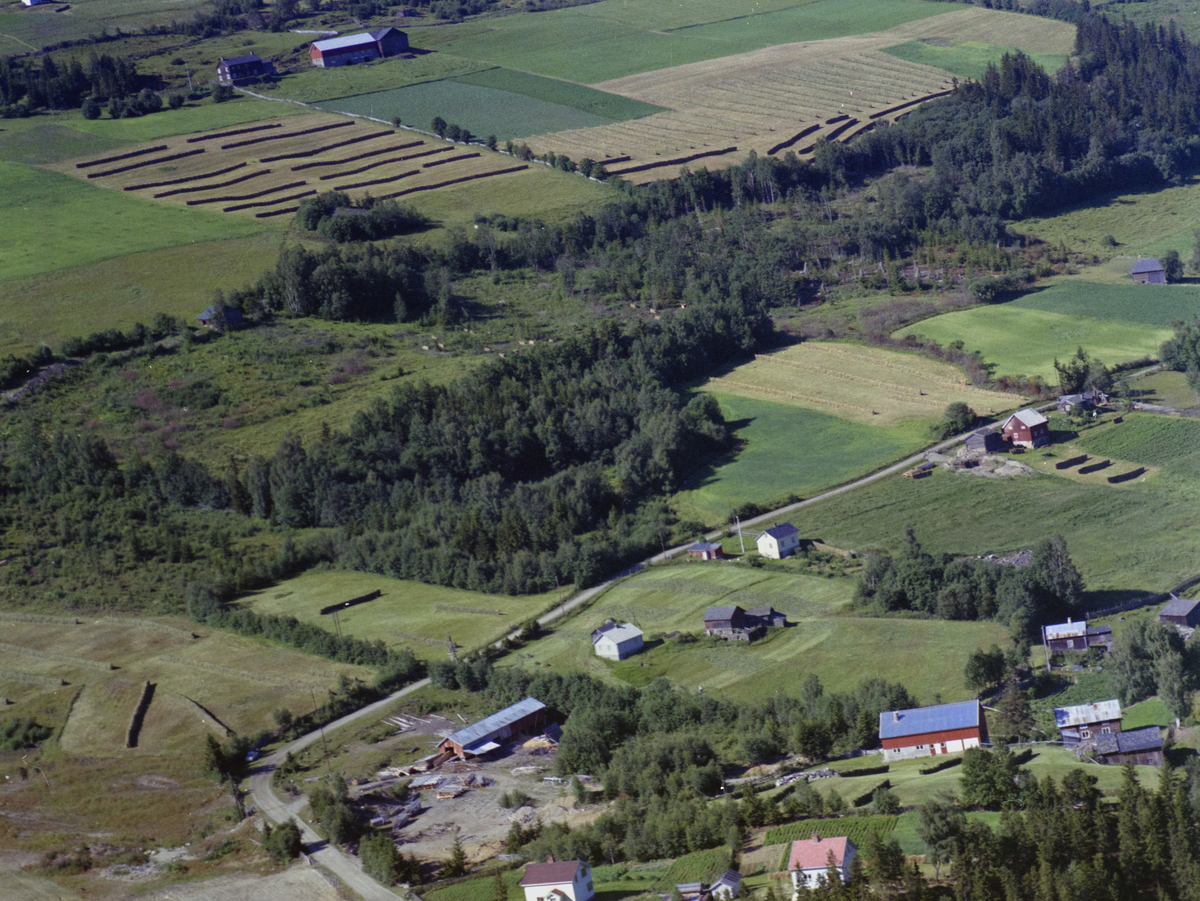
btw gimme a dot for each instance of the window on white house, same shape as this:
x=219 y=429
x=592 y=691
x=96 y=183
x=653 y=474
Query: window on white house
x=1084 y=733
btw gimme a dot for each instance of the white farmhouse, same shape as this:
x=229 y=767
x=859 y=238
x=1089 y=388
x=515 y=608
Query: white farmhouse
x=811 y=859
x=570 y=880
x=613 y=642
x=779 y=541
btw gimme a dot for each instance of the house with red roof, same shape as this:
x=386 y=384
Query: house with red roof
x=811 y=859
x=568 y=880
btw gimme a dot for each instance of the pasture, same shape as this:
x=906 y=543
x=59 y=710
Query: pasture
x=1113 y=323
x=1167 y=389
x=316 y=84
x=23 y=29
x=927 y=656
x=1150 y=440
x=409 y=614
x=967 y=59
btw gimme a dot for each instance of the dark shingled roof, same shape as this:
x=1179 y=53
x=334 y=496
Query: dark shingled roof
x=713 y=613
x=1148 y=739
x=550 y=873
x=781 y=531
x=241 y=60
x=1147 y=265
x=1179 y=607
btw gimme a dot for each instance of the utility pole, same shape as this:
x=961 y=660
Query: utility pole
x=741 y=540
x=189 y=75
x=323 y=742
x=453 y=649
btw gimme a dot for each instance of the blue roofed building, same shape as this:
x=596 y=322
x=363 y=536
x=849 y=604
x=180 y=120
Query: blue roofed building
x=931 y=731
x=486 y=735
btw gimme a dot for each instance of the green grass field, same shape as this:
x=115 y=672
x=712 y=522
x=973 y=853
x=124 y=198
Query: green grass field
x=601 y=41
x=1150 y=440
x=315 y=84
x=1169 y=389
x=24 y=29
x=564 y=93
x=1113 y=323
x=409 y=614
x=789 y=450
x=83 y=224
x=968 y=59
x=927 y=656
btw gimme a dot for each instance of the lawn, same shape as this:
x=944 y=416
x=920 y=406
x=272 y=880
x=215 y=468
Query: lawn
x=409 y=614
x=483 y=110
x=927 y=656
x=69 y=212
x=967 y=59
x=787 y=450
x=1114 y=324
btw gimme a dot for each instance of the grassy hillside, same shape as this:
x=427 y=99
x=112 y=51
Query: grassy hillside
x=967 y=59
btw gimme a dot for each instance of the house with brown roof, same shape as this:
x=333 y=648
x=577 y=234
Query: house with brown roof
x=811 y=859
x=568 y=880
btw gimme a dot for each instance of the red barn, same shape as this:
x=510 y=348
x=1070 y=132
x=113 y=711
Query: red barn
x=1026 y=428
x=925 y=731
x=349 y=49
x=486 y=735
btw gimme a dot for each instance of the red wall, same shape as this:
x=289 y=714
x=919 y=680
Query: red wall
x=932 y=738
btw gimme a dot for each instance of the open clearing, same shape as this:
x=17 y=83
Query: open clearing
x=789 y=450
x=1113 y=323
x=927 y=656
x=863 y=384
x=409 y=614
x=968 y=59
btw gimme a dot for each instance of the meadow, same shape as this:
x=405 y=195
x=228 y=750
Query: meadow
x=1150 y=440
x=967 y=59
x=409 y=614
x=1113 y=323
x=927 y=656
x=1166 y=388
x=24 y=29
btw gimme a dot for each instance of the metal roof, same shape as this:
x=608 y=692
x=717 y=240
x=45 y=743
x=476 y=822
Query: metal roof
x=1147 y=265
x=551 y=873
x=1179 y=607
x=715 y=613
x=1029 y=418
x=344 y=41
x=918 y=721
x=241 y=60
x=1082 y=714
x=731 y=878
x=813 y=853
x=782 y=531
x=705 y=546
x=484 y=729
x=1067 y=630
x=621 y=633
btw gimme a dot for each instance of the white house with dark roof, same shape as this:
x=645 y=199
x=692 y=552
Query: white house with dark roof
x=811 y=859
x=727 y=887
x=568 y=880
x=613 y=642
x=779 y=541
x=930 y=731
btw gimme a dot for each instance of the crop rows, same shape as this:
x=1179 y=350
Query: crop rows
x=315 y=150
x=237 y=131
x=449 y=159
x=263 y=193
x=225 y=184
x=359 y=156
x=685 y=586
x=808 y=399
x=637 y=613
x=678 y=161
x=838 y=374
x=455 y=181
x=854 y=828
x=291 y=134
x=367 y=168
x=144 y=163
x=186 y=178
x=56 y=658
x=121 y=156
x=378 y=181
x=258 y=203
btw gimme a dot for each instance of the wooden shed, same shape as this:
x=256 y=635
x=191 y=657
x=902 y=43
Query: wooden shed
x=1148 y=272
x=1180 y=612
x=985 y=440
x=1142 y=747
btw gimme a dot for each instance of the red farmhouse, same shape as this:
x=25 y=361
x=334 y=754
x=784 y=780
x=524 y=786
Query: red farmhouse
x=923 y=731
x=349 y=49
x=1026 y=428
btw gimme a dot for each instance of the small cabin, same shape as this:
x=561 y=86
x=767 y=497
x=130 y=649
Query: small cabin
x=1148 y=272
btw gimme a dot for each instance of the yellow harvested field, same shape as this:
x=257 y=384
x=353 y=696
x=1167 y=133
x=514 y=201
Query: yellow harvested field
x=864 y=384
x=759 y=100
x=271 y=168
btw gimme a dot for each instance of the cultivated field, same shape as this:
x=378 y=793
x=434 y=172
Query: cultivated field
x=786 y=450
x=863 y=384
x=409 y=614
x=927 y=656
x=968 y=59
x=1114 y=323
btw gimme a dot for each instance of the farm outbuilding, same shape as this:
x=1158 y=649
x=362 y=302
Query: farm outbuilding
x=779 y=541
x=1027 y=428
x=487 y=734
x=1180 y=612
x=239 y=69
x=926 y=731
x=1076 y=636
x=1148 y=272
x=811 y=859
x=1083 y=722
x=1143 y=747
x=346 y=50
x=219 y=316
x=567 y=880
x=617 y=642
x=985 y=440
x=727 y=887
x=706 y=550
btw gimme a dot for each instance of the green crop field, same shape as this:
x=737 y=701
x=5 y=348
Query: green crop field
x=588 y=45
x=26 y=29
x=968 y=59
x=927 y=656
x=787 y=451
x=1150 y=440
x=564 y=93
x=315 y=84
x=1167 y=388
x=854 y=829
x=190 y=119
x=1026 y=335
x=485 y=111
x=409 y=614
x=83 y=224
x=699 y=866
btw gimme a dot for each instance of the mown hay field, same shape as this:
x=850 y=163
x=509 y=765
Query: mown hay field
x=926 y=655
x=1026 y=335
x=409 y=614
x=868 y=385
x=785 y=450
x=787 y=96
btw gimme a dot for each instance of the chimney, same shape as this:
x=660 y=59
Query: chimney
x=816 y=837
x=895 y=716
x=549 y=858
